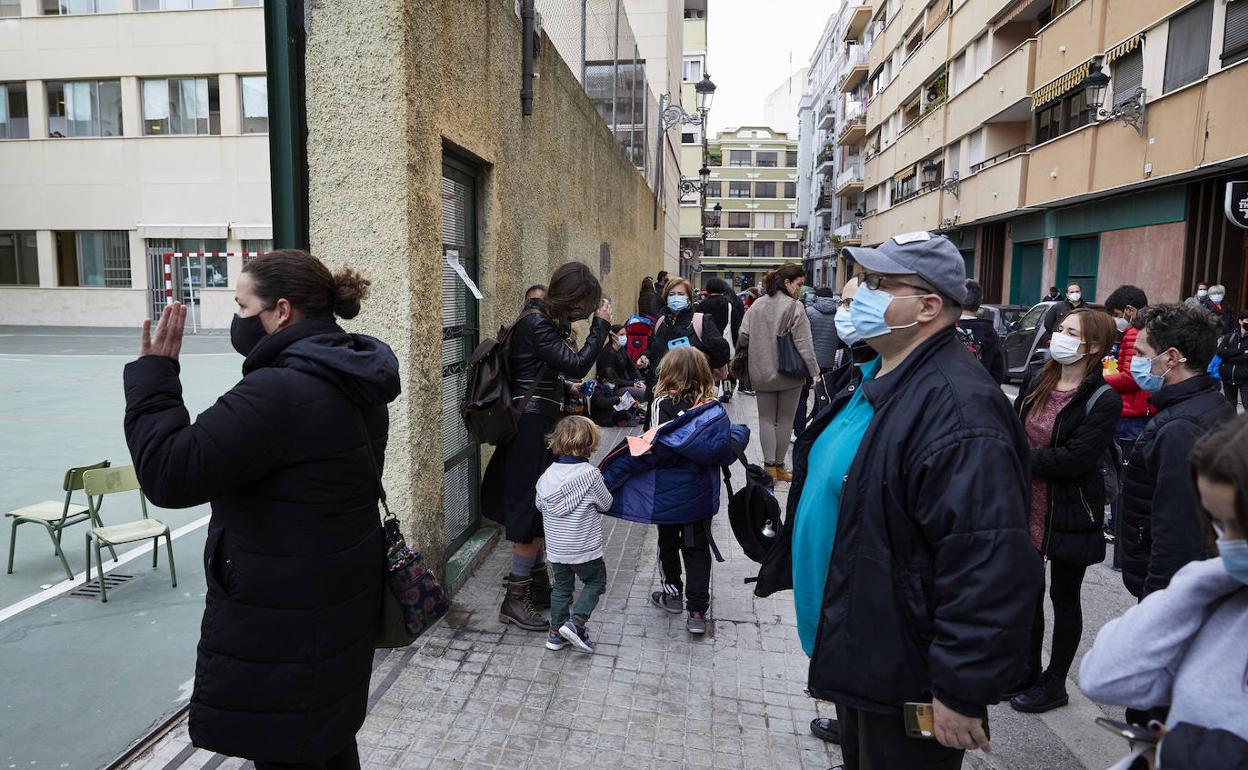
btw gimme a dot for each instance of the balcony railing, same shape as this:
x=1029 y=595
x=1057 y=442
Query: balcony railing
x=855 y=110
x=856 y=55
x=852 y=173
x=848 y=231
x=1019 y=150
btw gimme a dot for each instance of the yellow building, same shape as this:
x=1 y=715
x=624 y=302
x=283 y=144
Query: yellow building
x=1060 y=140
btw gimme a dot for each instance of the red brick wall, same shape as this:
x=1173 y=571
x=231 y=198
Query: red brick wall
x=1148 y=257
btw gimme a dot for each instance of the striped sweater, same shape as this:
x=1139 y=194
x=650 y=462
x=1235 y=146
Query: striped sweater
x=572 y=496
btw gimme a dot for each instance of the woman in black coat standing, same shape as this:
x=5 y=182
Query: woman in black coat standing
x=679 y=325
x=539 y=355
x=648 y=299
x=294 y=560
x=1070 y=414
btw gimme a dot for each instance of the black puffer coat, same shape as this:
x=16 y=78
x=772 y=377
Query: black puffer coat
x=673 y=326
x=1161 y=530
x=294 y=559
x=1233 y=350
x=727 y=312
x=1069 y=466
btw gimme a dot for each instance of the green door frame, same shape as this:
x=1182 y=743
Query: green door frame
x=1018 y=295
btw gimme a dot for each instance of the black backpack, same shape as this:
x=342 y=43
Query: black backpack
x=753 y=510
x=973 y=344
x=1110 y=463
x=487 y=406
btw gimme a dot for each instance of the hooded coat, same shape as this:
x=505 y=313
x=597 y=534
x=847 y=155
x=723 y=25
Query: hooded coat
x=294 y=559
x=677 y=480
x=572 y=497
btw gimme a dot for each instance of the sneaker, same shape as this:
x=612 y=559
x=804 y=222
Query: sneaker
x=665 y=601
x=554 y=641
x=1048 y=694
x=696 y=623
x=576 y=634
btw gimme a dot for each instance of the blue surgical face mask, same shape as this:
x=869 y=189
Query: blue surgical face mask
x=623 y=340
x=845 y=327
x=867 y=312
x=1142 y=373
x=1235 y=558
x=677 y=302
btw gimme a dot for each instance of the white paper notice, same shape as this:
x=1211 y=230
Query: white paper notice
x=452 y=259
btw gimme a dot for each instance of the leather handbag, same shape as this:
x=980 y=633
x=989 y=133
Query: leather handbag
x=789 y=360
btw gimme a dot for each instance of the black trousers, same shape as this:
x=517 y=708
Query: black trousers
x=347 y=759
x=690 y=542
x=871 y=741
x=1065 y=582
x=1236 y=393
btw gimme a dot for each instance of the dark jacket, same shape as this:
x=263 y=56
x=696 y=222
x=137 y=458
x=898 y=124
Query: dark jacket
x=648 y=303
x=1224 y=312
x=675 y=326
x=537 y=341
x=1055 y=313
x=1233 y=350
x=1070 y=468
x=933 y=577
x=822 y=316
x=615 y=367
x=1189 y=747
x=294 y=559
x=991 y=351
x=716 y=307
x=1160 y=527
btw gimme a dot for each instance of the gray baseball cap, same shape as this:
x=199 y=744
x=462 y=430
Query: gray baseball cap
x=931 y=257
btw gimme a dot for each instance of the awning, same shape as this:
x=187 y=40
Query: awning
x=1063 y=85
x=252 y=231
x=905 y=173
x=1123 y=48
x=211 y=230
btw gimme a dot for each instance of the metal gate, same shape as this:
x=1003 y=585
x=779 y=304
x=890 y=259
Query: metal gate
x=156 y=249
x=460 y=455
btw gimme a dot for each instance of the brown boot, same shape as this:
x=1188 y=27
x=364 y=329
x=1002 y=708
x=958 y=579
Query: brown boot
x=539 y=592
x=518 y=605
x=779 y=473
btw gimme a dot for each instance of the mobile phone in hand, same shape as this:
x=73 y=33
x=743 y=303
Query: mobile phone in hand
x=921 y=721
x=1133 y=733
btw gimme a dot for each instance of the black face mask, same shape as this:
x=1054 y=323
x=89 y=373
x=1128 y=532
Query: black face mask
x=246 y=333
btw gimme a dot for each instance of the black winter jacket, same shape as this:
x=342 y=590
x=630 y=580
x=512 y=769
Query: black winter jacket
x=716 y=306
x=1233 y=350
x=1188 y=747
x=537 y=341
x=294 y=559
x=1069 y=466
x=648 y=303
x=991 y=349
x=933 y=577
x=675 y=326
x=1161 y=530
x=614 y=366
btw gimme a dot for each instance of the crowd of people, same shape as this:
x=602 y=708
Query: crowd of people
x=923 y=505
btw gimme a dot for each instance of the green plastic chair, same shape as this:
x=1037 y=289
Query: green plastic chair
x=110 y=481
x=54 y=517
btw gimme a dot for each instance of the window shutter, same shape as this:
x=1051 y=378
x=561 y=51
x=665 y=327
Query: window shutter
x=1235 y=46
x=1128 y=75
x=155 y=99
x=1187 y=52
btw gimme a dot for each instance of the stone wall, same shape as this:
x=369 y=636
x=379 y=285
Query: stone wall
x=390 y=85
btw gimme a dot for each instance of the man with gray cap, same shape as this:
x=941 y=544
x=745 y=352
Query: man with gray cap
x=906 y=541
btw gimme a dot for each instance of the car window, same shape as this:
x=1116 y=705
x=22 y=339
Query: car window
x=984 y=314
x=1032 y=318
x=1010 y=315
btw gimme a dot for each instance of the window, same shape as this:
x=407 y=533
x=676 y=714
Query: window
x=738 y=189
x=739 y=219
x=623 y=108
x=255 y=90
x=69 y=7
x=695 y=13
x=1235 y=41
x=693 y=69
x=764 y=248
x=790 y=158
x=688 y=137
x=767 y=159
x=1187 y=50
x=84 y=108
x=175 y=5
x=194 y=273
x=1128 y=76
x=740 y=158
x=958 y=81
x=258 y=246
x=983 y=55
x=19 y=259
x=93 y=258
x=712 y=249
x=790 y=189
x=181 y=106
x=10 y=8
x=1061 y=117
x=248 y=3
x=791 y=250
x=765 y=190
x=738 y=248
x=953 y=157
x=714 y=189
x=14 y=119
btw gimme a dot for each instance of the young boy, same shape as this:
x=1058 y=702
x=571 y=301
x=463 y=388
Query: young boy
x=572 y=496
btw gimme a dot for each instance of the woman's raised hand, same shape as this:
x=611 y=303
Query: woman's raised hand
x=604 y=310
x=169 y=332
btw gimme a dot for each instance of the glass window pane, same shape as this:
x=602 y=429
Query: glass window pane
x=110 y=107
x=90 y=259
x=10 y=7
x=1187 y=49
x=767 y=159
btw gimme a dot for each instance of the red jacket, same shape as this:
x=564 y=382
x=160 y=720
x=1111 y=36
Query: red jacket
x=1135 y=402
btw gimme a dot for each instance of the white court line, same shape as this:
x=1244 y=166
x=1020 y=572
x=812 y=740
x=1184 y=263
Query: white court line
x=70 y=584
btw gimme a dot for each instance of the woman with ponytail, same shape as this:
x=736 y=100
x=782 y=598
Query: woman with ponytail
x=289 y=459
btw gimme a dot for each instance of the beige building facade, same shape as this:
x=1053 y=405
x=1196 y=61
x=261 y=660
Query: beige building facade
x=128 y=130
x=988 y=120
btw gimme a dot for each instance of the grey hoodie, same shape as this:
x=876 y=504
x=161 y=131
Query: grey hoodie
x=822 y=317
x=1183 y=646
x=572 y=497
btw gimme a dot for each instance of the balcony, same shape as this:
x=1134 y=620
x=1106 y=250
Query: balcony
x=827 y=116
x=855 y=68
x=852 y=130
x=849 y=181
x=827 y=162
x=824 y=201
x=991 y=190
x=849 y=234
x=920 y=212
x=859 y=13
x=1002 y=94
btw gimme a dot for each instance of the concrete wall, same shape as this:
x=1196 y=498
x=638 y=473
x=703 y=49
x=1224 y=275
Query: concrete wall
x=389 y=83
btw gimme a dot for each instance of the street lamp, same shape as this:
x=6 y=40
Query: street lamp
x=931 y=172
x=1095 y=84
x=1132 y=111
x=705 y=91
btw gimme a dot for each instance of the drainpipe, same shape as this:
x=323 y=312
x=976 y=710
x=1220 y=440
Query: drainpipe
x=528 y=21
x=285 y=37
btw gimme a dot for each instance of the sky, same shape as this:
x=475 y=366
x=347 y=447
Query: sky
x=753 y=45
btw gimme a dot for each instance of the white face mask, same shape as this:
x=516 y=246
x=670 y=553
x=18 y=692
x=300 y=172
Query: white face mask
x=1065 y=349
x=1216 y=297
x=1202 y=293
x=1074 y=296
x=1122 y=324
x=845 y=327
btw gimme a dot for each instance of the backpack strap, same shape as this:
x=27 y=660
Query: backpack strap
x=697 y=326
x=1087 y=410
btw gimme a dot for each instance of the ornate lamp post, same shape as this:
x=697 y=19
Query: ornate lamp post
x=670 y=114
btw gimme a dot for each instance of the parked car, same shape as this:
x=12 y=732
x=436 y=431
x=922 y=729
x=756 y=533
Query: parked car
x=1026 y=344
x=1001 y=316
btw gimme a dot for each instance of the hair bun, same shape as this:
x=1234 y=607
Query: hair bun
x=350 y=289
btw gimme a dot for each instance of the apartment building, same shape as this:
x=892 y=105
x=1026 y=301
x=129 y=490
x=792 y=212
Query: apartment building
x=832 y=123
x=1062 y=140
x=129 y=128
x=754 y=183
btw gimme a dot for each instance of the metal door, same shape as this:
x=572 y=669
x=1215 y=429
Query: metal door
x=1026 y=273
x=461 y=457
x=1078 y=261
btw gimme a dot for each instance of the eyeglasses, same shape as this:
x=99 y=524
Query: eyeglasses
x=843 y=304
x=873 y=281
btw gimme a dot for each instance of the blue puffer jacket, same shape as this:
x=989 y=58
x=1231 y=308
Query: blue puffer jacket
x=678 y=480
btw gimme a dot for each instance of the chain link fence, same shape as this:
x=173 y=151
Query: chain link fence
x=596 y=40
